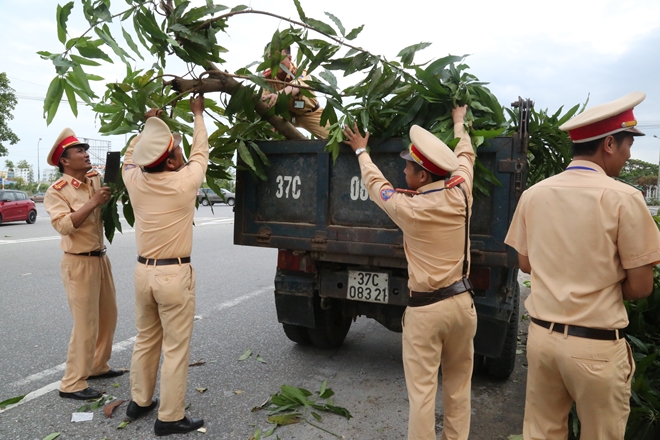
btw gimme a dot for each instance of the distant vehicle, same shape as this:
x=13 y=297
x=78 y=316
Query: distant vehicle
x=38 y=197
x=206 y=197
x=16 y=206
x=230 y=197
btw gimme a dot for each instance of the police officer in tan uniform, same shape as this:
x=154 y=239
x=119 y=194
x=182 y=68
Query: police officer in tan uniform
x=440 y=322
x=163 y=189
x=589 y=243
x=305 y=110
x=74 y=205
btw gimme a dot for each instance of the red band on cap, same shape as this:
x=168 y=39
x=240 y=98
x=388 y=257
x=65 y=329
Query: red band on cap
x=164 y=156
x=425 y=163
x=601 y=128
x=66 y=142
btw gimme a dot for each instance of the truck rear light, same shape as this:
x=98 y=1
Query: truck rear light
x=295 y=260
x=480 y=277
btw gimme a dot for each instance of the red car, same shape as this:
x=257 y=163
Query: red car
x=16 y=206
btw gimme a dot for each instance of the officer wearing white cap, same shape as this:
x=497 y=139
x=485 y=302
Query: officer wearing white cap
x=74 y=204
x=163 y=189
x=440 y=321
x=589 y=243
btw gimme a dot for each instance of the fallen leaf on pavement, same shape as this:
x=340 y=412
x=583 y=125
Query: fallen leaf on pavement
x=245 y=355
x=260 y=359
x=238 y=392
x=197 y=364
x=123 y=424
x=202 y=430
x=52 y=436
x=201 y=390
x=11 y=401
x=110 y=407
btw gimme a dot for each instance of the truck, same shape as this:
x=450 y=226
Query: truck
x=340 y=256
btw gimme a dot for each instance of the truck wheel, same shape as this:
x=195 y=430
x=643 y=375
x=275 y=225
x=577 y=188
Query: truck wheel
x=297 y=333
x=331 y=327
x=501 y=367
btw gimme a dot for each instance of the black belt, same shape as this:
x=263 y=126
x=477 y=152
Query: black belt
x=100 y=253
x=582 y=332
x=418 y=299
x=163 y=261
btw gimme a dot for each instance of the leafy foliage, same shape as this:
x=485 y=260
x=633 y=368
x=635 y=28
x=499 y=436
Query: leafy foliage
x=292 y=405
x=7 y=104
x=643 y=333
x=386 y=98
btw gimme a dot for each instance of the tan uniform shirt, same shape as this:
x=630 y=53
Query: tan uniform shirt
x=164 y=203
x=433 y=224
x=309 y=102
x=68 y=195
x=580 y=230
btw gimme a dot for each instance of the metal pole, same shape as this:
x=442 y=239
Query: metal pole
x=657 y=190
x=39 y=169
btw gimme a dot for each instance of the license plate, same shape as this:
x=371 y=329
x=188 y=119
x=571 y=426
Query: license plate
x=368 y=286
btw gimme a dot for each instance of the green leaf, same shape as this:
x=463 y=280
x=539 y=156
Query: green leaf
x=71 y=97
x=53 y=98
x=301 y=13
x=52 y=436
x=408 y=54
x=11 y=401
x=285 y=419
x=317 y=416
x=320 y=26
x=131 y=43
x=63 y=13
x=245 y=355
x=260 y=359
x=352 y=35
x=197 y=13
x=62 y=65
x=84 y=61
x=239 y=8
x=337 y=22
x=93 y=52
x=123 y=424
x=245 y=155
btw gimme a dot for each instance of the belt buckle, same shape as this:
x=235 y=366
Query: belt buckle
x=103 y=252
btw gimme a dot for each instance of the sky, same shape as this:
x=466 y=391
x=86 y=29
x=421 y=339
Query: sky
x=557 y=53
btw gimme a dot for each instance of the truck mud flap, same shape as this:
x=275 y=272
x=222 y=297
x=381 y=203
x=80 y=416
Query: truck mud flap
x=294 y=298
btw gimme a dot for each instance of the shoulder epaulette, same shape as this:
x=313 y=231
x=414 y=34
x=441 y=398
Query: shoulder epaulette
x=408 y=192
x=92 y=174
x=60 y=184
x=453 y=181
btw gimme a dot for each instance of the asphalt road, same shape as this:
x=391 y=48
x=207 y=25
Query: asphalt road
x=235 y=312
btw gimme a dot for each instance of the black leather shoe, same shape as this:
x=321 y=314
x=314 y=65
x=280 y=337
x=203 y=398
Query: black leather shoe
x=184 y=425
x=135 y=411
x=108 y=374
x=86 y=394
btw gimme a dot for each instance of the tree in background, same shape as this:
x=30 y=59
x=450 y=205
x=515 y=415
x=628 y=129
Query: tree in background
x=636 y=169
x=9 y=165
x=7 y=105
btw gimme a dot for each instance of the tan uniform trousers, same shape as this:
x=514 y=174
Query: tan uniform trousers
x=164 y=315
x=312 y=123
x=439 y=335
x=562 y=369
x=90 y=291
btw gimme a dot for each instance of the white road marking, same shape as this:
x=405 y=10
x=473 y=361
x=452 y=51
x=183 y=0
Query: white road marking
x=118 y=347
x=200 y=221
x=34 y=394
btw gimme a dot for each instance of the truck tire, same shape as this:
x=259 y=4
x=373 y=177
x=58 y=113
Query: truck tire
x=297 y=334
x=501 y=367
x=331 y=327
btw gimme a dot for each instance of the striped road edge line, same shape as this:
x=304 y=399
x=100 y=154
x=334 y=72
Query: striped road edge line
x=118 y=347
